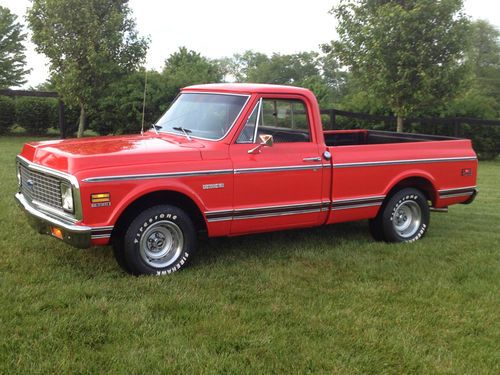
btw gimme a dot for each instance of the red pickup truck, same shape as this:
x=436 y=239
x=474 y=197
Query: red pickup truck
x=233 y=159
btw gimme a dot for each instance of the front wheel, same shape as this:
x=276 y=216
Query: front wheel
x=161 y=240
x=405 y=217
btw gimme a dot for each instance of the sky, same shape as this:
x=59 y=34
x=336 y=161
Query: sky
x=219 y=28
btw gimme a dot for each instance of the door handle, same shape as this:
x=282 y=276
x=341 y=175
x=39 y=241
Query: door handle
x=316 y=158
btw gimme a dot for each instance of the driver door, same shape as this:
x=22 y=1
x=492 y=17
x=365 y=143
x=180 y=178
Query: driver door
x=280 y=186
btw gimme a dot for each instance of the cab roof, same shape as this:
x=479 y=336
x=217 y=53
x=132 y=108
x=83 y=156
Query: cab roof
x=249 y=88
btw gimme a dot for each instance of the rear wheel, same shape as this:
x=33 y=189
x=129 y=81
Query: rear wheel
x=405 y=217
x=161 y=240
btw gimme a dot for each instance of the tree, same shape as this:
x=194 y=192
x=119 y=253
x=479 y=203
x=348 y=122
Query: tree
x=89 y=44
x=278 y=69
x=186 y=67
x=484 y=57
x=409 y=53
x=121 y=104
x=12 y=58
x=307 y=69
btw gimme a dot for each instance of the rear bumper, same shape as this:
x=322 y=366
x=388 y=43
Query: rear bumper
x=472 y=197
x=75 y=235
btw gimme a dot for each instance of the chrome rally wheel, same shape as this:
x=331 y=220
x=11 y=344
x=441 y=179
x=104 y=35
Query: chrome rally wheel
x=405 y=216
x=159 y=241
x=161 y=244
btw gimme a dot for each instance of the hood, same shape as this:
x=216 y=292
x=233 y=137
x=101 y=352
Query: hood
x=75 y=155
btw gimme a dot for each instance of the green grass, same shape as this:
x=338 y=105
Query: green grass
x=325 y=300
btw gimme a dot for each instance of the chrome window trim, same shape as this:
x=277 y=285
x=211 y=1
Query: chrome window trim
x=211 y=93
x=406 y=161
x=77 y=203
x=257 y=121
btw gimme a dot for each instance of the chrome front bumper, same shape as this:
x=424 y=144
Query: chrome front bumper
x=75 y=235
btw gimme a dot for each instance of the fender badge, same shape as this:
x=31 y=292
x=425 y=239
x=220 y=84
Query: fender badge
x=102 y=204
x=213 y=186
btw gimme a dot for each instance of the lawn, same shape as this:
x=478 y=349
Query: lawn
x=325 y=300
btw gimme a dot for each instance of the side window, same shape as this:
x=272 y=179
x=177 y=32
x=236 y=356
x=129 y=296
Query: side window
x=286 y=120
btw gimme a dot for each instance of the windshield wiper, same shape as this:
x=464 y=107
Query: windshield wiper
x=184 y=130
x=155 y=128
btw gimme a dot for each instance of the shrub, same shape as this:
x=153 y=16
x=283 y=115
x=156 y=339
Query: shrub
x=36 y=115
x=7 y=114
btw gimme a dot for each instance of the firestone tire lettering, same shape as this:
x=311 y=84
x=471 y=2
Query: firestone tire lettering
x=139 y=227
x=388 y=213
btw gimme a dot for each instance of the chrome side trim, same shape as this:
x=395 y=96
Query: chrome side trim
x=353 y=200
x=277 y=169
x=284 y=213
x=408 y=161
x=344 y=204
x=266 y=211
x=204 y=173
x=467 y=194
x=466 y=188
x=361 y=205
x=158 y=175
x=457 y=192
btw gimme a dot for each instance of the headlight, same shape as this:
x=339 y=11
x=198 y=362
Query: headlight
x=67 y=197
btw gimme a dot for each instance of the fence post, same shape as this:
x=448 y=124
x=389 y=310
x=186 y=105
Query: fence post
x=332 y=119
x=62 y=123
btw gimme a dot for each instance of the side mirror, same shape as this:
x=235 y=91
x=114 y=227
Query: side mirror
x=266 y=140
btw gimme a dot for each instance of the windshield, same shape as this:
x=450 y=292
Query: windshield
x=207 y=116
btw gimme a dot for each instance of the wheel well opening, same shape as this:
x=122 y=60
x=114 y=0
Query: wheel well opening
x=156 y=198
x=420 y=183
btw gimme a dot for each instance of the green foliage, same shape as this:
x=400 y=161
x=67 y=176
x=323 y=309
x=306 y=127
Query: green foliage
x=7 y=114
x=327 y=300
x=36 y=115
x=407 y=53
x=307 y=69
x=12 y=58
x=119 y=109
x=186 y=67
x=89 y=44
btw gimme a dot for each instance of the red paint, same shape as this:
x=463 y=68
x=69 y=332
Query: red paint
x=168 y=153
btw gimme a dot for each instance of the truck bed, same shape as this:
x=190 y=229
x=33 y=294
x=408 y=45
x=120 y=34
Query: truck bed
x=371 y=137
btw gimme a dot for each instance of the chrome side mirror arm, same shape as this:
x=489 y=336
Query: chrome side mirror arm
x=266 y=140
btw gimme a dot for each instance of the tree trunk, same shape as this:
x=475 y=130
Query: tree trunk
x=399 y=127
x=83 y=121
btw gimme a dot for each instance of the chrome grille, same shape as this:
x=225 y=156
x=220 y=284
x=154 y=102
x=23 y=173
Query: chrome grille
x=39 y=187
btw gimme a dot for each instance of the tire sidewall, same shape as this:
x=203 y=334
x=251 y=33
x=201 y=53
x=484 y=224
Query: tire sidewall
x=401 y=196
x=139 y=225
